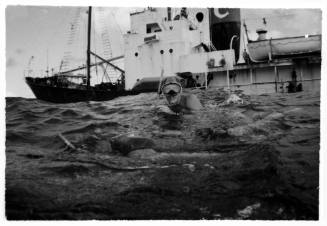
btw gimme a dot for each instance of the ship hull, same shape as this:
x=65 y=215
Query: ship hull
x=70 y=95
x=146 y=85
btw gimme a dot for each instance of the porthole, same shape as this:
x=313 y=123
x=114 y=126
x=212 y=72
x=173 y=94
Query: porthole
x=161 y=51
x=199 y=16
x=136 y=54
x=171 y=50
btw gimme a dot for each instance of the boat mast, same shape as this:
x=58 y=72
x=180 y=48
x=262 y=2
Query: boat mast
x=47 y=71
x=88 y=51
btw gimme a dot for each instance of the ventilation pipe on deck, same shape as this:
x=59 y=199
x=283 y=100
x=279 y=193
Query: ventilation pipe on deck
x=262 y=34
x=169 y=13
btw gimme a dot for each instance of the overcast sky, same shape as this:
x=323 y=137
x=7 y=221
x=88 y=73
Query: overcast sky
x=34 y=31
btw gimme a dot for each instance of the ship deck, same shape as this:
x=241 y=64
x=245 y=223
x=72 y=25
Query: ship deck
x=278 y=62
x=270 y=76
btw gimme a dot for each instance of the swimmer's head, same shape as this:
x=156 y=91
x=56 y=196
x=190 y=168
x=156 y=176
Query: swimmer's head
x=172 y=90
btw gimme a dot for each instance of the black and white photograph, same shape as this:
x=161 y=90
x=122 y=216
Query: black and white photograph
x=162 y=112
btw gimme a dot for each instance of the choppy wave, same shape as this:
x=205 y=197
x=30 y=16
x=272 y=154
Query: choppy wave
x=282 y=129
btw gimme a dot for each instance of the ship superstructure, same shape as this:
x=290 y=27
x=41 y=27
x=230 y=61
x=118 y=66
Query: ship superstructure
x=211 y=47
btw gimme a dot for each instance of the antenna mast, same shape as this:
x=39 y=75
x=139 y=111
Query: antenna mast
x=246 y=31
x=47 y=71
x=88 y=51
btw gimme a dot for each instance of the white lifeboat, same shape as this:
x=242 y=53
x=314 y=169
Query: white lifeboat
x=264 y=49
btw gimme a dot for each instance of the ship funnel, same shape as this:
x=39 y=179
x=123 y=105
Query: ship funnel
x=224 y=25
x=262 y=34
x=169 y=13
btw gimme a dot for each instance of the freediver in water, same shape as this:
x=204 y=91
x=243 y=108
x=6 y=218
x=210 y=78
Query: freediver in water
x=178 y=101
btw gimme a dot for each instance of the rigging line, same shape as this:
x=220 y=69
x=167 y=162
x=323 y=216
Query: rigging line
x=83 y=34
x=119 y=28
x=71 y=36
x=95 y=49
x=56 y=31
x=54 y=34
x=106 y=39
x=115 y=21
x=105 y=74
x=108 y=62
x=99 y=63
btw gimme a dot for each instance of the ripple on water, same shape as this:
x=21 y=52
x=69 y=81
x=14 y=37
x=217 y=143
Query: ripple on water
x=273 y=156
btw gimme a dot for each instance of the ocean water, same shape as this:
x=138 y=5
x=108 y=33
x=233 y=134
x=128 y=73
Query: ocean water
x=256 y=160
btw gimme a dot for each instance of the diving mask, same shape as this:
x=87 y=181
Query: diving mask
x=172 y=88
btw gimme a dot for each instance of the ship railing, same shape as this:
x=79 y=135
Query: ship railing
x=211 y=46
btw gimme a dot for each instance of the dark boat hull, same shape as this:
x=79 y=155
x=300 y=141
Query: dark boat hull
x=147 y=85
x=70 y=95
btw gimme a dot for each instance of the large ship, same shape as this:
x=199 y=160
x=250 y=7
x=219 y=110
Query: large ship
x=206 y=47
x=212 y=48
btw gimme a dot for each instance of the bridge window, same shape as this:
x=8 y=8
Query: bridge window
x=151 y=28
